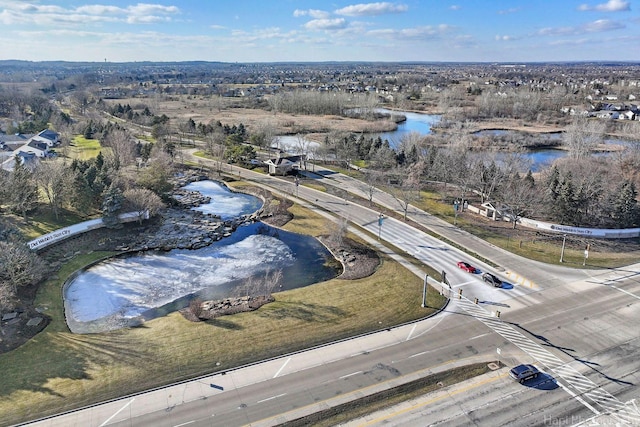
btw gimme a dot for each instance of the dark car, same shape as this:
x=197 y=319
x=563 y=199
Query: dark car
x=523 y=373
x=492 y=280
x=466 y=267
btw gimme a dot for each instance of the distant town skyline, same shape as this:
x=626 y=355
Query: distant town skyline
x=313 y=30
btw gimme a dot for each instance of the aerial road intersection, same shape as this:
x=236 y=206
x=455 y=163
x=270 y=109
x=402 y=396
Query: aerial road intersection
x=578 y=328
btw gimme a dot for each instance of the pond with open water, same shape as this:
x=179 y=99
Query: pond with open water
x=127 y=290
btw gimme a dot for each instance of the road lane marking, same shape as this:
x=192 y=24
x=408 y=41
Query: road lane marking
x=184 y=424
x=119 y=410
x=464 y=283
x=623 y=291
x=479 y=336
x=441 y=318
x=417 y=354
x=350 y=375
x=271 y=398
x=282 y=367
x=411 y=331
x=574 y=379
x=578 y=398
x=352 y=395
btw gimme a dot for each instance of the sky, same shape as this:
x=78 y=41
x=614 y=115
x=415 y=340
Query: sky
x=320 y=30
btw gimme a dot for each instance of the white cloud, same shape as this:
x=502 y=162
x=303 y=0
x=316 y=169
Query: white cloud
x=147 y=9
x=455 y=7
x=40 y=14
x=508 y=11
x=326 y=24
x=371 y=9
x=610 y=6
x=424 y=32
x=314 y=13
x=601 y=25
x=146 y=19
x=98 y=9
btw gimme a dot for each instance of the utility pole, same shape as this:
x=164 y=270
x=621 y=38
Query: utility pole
x=380 y=218
x=564 y=239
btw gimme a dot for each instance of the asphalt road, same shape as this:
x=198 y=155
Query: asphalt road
x=578 y=327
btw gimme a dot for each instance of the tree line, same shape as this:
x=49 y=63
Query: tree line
x=113 y=182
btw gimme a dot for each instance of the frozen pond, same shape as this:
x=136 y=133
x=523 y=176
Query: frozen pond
x=224 y=203
x=126 y=290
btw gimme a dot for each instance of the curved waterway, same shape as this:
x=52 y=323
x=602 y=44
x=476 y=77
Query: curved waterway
x=130 y=289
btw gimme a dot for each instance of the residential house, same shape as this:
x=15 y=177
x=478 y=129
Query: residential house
x=285 y=165
x=47 y=136
x=628 y=115
x=40 y=149
x=30 y=160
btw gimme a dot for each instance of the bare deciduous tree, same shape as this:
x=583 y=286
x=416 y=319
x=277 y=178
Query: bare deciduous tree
x=264 y=135
x=582 y=136
x=55 y=181
x=123 y=148
x=405 y=186
x=19 y=266
x=142 y=201
x=260 y=285
x=370 y=179
x=519 y=197
x=337 y=232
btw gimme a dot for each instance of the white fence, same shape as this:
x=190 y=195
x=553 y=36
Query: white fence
x=600 y=233
x=83 y=227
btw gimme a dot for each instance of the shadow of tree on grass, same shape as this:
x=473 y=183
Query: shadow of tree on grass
x=304 y=311
x=67 y=356
x=224 y=324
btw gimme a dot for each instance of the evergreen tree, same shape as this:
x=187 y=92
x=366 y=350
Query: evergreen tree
x=82 y=196
x=111 y=204
x=22 y=190
x=625 y=205
x=566 y=201
x=529 y=179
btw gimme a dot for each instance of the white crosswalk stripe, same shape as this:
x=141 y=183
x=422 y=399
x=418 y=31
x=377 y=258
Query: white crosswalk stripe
x=583 y=385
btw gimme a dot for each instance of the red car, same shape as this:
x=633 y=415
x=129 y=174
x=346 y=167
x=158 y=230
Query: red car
x=466 y=267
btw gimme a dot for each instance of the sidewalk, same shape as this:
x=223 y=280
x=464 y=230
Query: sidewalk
x=530 y=273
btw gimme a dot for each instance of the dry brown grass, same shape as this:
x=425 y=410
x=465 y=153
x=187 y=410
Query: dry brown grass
x=58 y=371
x=204 y=110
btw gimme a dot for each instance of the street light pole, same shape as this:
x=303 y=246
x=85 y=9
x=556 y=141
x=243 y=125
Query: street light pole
x=380 y=218
x=564 y=239
x=456 y=205
x=424 y=291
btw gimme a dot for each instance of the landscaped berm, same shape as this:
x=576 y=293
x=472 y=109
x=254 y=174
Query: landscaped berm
x=57 y=371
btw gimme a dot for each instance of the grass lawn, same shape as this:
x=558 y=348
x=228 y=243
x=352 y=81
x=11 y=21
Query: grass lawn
x=82 y=148
x=58 y=370
x=525 y=242
x=43 y=221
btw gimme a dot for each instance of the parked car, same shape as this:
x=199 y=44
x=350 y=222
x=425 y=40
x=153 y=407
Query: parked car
x=522 y=373
x=492 y=280
x=466 y=267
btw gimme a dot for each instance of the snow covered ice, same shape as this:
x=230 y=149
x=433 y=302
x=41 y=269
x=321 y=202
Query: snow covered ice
x=120 y=291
